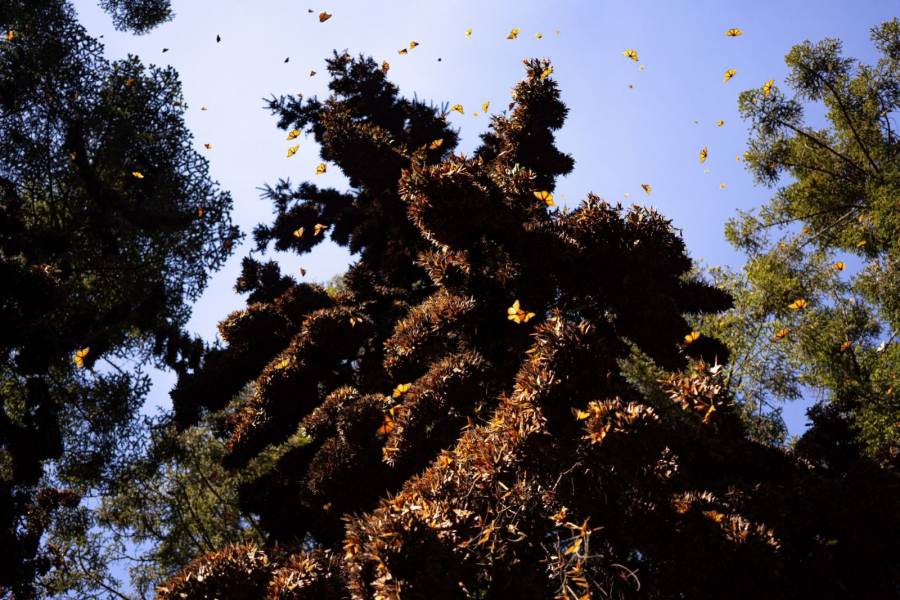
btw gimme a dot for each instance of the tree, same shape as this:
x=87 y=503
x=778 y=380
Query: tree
x=821 y=284
x=139 y=16
x=109 y=227
x=471 y=429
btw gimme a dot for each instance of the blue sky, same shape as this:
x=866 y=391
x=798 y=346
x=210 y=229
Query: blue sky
x=620 y=137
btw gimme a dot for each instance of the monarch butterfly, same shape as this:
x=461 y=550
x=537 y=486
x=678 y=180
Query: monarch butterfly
x=218 y=38
x=720 y=123
x=324 y=16
x=469 y=32
x=293 y=150
x=691 y=337
x=402 y=51
x=284 y=363
x=413 y=44
x=387 y=426
x=703 y=154
x=80 y=355
x=729 y=74
x=137 y=174
x=458 y=108
x=538 y=35
x=545 y=197
x=321 y=168
x=781 y=334
x=646 y=187
x=734 y=32
x=514 y=33
x=302 y=272
x=207 y=146
x=203 y=108
x=632 y=54
x=515 y=313
x=581 y=415
x=436 y=144
x=293 y=134
x=319 y=228
x=838 y=266
x=846 y=345
x=354 y=321
x=385 y=67
x=400 y=390
x=298 y=233
x=767 y=88
x=485 y=106
x=722 y=186
x=10 y=35
x=200 y=211
x=312 y=73
x=546 y=72
x=798 y=304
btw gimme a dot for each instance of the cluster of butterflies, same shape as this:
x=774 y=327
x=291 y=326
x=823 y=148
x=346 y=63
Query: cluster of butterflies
x=632 y=54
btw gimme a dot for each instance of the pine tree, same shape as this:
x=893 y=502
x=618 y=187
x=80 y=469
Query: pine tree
x=109 y=227
x=821 y=285
x=469 y=428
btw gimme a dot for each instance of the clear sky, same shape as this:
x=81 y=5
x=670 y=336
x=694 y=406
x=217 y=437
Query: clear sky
x=620 y=137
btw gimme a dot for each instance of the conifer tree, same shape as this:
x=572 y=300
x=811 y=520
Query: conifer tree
x=469 y=429
x=109 y=227
x=817 y=301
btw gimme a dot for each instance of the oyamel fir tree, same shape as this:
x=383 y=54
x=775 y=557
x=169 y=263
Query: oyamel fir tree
x=455 y=421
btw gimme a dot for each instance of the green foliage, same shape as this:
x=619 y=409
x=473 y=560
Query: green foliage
x=109 y=228
x=830 y=236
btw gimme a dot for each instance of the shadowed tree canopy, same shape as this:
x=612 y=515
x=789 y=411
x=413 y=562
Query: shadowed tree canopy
x=469 y=429
x=138 y=16
x=821 y=287
x=109 y=227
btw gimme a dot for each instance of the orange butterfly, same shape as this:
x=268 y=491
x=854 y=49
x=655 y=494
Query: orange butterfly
x=798 y=304
x=545 y=197
x=401 y=389
x=734 y=32
x=324 y=16
x=729 y=74
x=646 y=187
x=80 y=355
x=514 y=33
x=691 y=337
x=703 y=154
x=632 y=54
x=321 y=168
x=515 y=313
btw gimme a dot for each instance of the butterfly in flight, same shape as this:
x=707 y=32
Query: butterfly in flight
x=691 y=338
x=516 y=314
x=703 y=154
x=293 y=150
x=734 y=32
x=514 y=33
x=324 y=16
x=646 y=187
x=80 y=355
x=767 y=88
x=729 y=74
x=798 y=304
x=632 y=54
x=545 y=197
x=321 y=168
